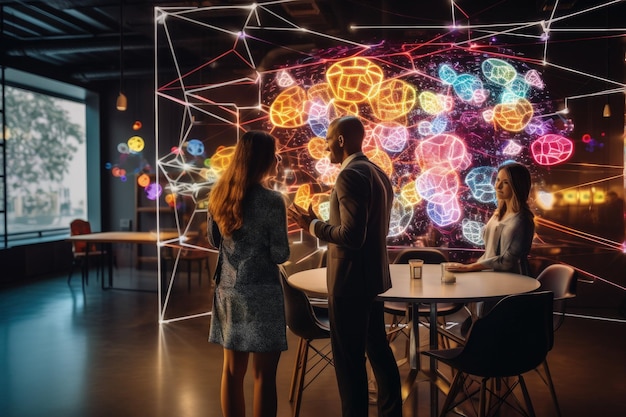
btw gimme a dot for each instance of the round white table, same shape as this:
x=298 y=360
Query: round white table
x=469 y=287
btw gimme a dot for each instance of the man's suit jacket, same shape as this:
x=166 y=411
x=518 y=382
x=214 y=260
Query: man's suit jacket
x=356 y=232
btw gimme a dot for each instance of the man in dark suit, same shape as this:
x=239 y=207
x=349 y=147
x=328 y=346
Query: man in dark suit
x=358 y=270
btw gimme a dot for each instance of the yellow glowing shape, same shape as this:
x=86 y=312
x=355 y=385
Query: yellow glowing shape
x=354 y=80
x=410 y=194
x=136 y=144
x=513 y=116
x=381 y=159
x=570 y=197
x=288 y=110
x=317 y=148
x=222 y=157
x=599 y=197
x=143 y=180
x=303 y=196
x=170 y=199
x=430 y=102
x=585 y=197
x=395 y=98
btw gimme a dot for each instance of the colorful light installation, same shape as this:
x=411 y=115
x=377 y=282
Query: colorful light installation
x=438 y=120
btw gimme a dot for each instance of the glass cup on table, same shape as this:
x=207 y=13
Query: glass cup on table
x=415 y=268
x=447 y=276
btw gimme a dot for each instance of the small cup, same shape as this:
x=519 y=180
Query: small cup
x=447 y=277
x=415 y=267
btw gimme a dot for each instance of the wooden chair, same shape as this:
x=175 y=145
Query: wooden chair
x=82 y=252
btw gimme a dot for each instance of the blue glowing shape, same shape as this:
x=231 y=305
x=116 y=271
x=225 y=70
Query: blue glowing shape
x=508 y=97
x=425 y=128
x=473 y=231
x=444 y=214
x=195 y=147
x=519 y=87
x=498 y=71
x=439 y=125
x=480 y=181
x=465 y=85
x=318 y=119
x=108 y=165
x=447 y=74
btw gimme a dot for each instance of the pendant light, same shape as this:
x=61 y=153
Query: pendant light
x=121 y=102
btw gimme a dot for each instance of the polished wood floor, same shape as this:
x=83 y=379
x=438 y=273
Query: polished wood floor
x=69 y=353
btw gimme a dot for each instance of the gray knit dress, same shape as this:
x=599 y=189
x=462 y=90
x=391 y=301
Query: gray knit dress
x=248 y=309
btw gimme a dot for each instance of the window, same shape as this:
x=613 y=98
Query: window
x=46 y=158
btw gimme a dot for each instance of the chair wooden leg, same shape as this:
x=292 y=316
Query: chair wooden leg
x=482 y=402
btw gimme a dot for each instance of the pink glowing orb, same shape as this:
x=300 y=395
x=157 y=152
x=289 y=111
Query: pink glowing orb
x=447 y=150
x=551 y=149
x=392 y=136
x=438 y=185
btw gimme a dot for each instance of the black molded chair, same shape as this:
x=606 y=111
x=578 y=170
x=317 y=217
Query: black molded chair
x=561 y=281
x=308 y=326
x=512 y=339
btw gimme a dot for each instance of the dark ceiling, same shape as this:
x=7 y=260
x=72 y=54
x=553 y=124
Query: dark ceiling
x=79 y=40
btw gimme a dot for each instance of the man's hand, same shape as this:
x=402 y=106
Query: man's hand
x=301 y=216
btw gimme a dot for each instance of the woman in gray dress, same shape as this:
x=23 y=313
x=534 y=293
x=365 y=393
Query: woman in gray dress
x=248 y=222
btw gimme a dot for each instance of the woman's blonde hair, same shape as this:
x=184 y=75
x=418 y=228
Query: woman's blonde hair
x=252 y=163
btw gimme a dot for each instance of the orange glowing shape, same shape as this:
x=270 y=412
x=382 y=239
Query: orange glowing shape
x=380 y=158
x=328 y=172
x=318 y=200
x=303 y=196
x=410 y=194
x=170 y=199
x=222 y=157
x=395 y=98
x=143 y=180
x=513 y=116
x=317 y=148
x=288 y=110
x=354 y=80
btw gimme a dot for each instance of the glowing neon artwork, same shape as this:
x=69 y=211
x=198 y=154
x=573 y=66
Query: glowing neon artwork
x=447 y=150
x=465 y=86
x=480 y=180
x=545 y=200
x=355 y=80
x=123 y=148
x=513 y=116
x=392 y=136
x=551 y=149
x=533 y=78
x=439 y=117
x=317 y=148
x=143 y=180
x=498 y=71
x=136 y=144
x=444 y=215
x=395 y=98
x=195 y=147
x=430 y=102
x=153 y=191
x=288 y=108
x=473 y=231
x=303 y=196
x=512 y=148
x=283 y=79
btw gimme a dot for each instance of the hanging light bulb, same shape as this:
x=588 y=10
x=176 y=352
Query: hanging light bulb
x=121 y=102
x=606 y=112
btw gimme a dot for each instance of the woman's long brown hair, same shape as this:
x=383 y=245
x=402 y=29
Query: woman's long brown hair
x=253 y=160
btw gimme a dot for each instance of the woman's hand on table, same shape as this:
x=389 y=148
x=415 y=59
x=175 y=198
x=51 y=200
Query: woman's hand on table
x=465 y=267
